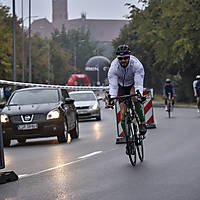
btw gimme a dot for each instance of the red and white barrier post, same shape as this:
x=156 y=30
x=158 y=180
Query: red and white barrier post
x=148 y=109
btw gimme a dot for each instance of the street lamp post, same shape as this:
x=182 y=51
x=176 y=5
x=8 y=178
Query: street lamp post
x=22 y=3
x=75 y=67
x=97 y=69
x=48 y=62
x=75 y=53
x=29 y=45
x=14 y=42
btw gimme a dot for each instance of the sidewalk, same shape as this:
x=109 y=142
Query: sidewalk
x=177 y=105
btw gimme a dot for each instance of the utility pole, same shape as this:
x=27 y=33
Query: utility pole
x=48 y=63
x=75 y=49
x=29 y=45
x=22 y=6
x=14 y=42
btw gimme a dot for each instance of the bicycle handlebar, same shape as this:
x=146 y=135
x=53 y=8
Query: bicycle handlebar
x=140 y=98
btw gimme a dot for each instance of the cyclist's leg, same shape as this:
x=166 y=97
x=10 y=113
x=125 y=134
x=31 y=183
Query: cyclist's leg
x=166 y=101
x=140 y=112
x=173 y=100
x=122 y=111
x=138 y=107
x=123 y=91
x=198 y=103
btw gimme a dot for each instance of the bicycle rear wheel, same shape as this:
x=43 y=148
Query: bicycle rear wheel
x=130 y=146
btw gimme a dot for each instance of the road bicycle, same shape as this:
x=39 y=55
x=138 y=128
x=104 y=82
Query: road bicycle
x=169 y=104
x=134 y=140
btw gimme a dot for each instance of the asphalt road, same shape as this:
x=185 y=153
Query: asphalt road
x=95 y=168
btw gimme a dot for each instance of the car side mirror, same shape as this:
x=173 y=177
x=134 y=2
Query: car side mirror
x=2 y=105
x=69 y=100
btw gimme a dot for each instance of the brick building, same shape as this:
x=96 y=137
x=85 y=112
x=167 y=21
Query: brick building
x=101 y=30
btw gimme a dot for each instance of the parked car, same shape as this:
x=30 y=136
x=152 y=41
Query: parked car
x=39 y=112
x=87 y=104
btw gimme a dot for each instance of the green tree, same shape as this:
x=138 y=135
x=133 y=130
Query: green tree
x=165 y=37
x=5 y=43
x=59 y=60
x=79 y=43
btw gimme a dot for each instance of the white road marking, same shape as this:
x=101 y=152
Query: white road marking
x=60 y=166
x=90 y=154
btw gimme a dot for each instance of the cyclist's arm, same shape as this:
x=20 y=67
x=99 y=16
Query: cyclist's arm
x=138 y=76
x=164 y=90
x=195 y=91
x=194 y=87
x=173 y=90
x=113 y=80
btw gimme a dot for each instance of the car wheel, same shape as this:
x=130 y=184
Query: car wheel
x=6 y=141
x=21 y=140
x=75 y=132
x=63 y=136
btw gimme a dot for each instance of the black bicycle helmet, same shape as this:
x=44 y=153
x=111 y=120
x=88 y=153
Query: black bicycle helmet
x=123 y=50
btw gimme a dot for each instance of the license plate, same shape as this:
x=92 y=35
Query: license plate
x=82 y=112
x=27 y=126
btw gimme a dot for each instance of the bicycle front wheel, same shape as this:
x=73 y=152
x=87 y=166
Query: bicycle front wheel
x=169 y=110
x=138 y=141
x=140 y=149
x=130 y=146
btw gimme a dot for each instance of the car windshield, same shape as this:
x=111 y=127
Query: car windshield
x=82 y=96
x=34 y=97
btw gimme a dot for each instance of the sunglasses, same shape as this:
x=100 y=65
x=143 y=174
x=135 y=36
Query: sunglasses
x=124 y=58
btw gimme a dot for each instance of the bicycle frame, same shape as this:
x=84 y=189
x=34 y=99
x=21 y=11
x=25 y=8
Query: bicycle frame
x=169 y=104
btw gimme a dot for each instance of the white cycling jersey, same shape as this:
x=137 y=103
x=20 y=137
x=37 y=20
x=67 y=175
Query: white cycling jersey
x=194 y=83
x=132 y=74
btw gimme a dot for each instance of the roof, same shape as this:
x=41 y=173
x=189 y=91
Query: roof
x=100 y=29
x=43 y=27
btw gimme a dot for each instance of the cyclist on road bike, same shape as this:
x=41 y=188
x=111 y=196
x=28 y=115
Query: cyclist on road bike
x=196 y=88
x=126 y=75
x=168 y=88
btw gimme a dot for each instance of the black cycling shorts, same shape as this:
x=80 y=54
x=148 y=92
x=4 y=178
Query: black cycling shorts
x=198 y=92
x=123 y=91
x=167 y=94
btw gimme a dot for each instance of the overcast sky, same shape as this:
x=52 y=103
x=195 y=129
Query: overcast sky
x=95 y=9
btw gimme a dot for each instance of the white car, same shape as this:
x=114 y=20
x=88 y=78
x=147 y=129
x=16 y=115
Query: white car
x=87 y=104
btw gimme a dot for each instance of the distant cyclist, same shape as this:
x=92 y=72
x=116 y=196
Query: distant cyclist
x=126 y=75
x=196 y=88
x=168 y=88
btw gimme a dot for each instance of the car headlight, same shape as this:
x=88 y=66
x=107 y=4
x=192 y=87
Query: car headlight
x=4 y=118
x=53 y=114
x=95 y=106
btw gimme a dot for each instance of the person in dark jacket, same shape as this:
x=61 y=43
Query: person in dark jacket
x=7 y=92
x=168 y=89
